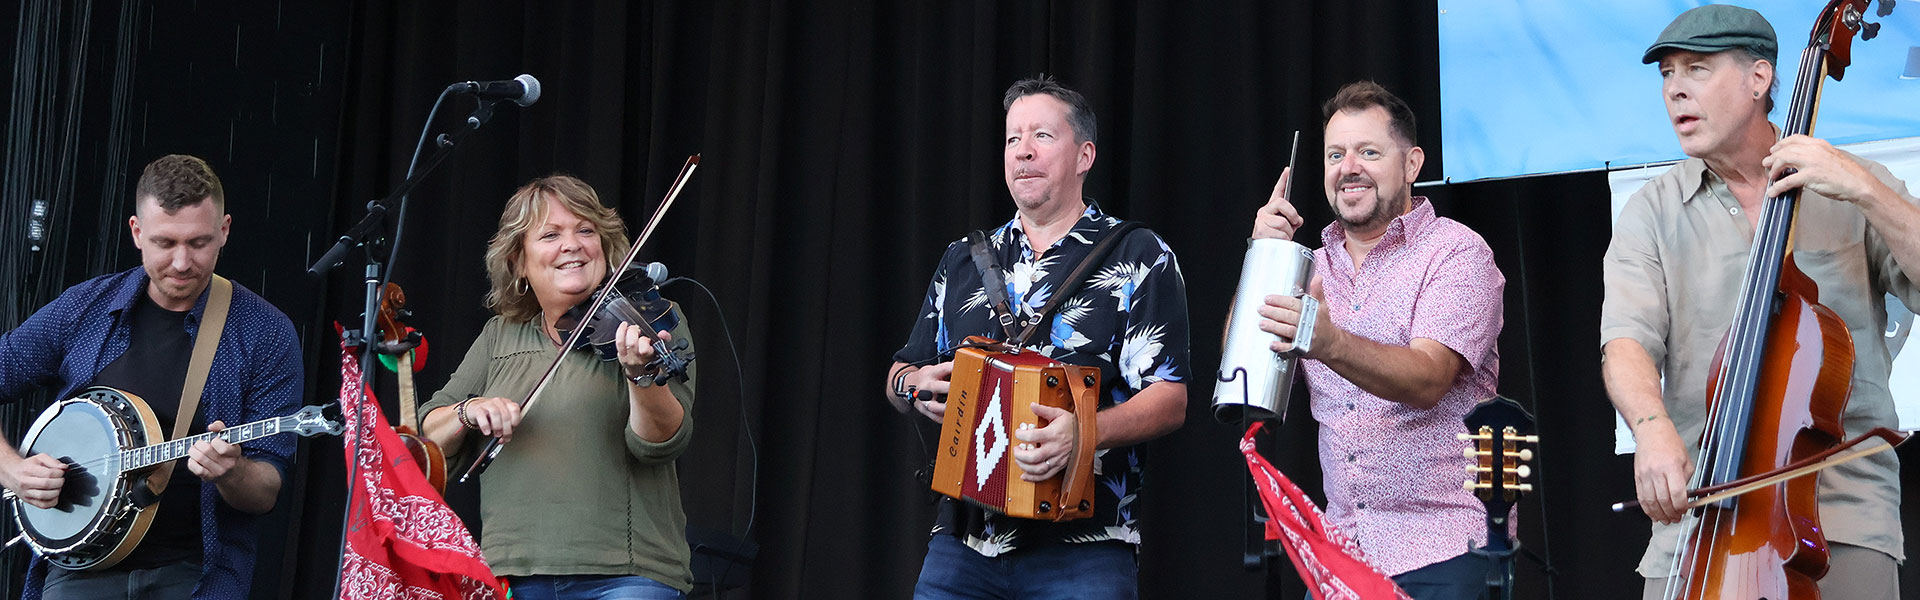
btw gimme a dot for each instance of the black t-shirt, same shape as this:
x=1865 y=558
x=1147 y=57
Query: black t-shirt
x=154 y=368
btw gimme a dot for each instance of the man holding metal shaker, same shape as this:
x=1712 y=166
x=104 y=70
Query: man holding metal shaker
x=1402 y=345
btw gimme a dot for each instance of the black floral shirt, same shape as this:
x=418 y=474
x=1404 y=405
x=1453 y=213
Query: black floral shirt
x=1129 y=320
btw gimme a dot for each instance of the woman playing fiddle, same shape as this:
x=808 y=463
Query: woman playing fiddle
x=586 y=503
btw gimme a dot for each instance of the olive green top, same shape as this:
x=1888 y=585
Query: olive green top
x=576 y=492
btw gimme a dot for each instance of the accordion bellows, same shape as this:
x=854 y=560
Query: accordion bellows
x=991 y=397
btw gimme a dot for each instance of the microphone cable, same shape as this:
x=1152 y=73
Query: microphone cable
x=746 y=425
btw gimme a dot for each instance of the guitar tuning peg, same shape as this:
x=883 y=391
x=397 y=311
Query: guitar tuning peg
x=1886 y=8
x=1471 y=485
x=1525 y=454
x=1521 y=487
x=1869 y=31
x=1470 y=452
x=1523 y=471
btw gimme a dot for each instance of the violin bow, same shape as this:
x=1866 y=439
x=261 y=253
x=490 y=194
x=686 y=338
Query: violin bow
x=495 y=445
x=1807 y=466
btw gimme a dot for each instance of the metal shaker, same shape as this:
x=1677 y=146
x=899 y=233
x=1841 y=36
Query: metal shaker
x=1254 y=382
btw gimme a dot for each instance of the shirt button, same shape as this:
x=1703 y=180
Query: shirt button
x=1356 y=306
x=1349 y=406
x=1350 y=458
x=1733 y=210
x=1361 y=506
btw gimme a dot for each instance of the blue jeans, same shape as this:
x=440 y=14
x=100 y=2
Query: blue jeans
x=591 y=587
x=171 y=581
x=1462 y=577
x=1095 y=570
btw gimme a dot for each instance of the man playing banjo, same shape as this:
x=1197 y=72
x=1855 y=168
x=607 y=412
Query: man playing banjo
x=134 y=331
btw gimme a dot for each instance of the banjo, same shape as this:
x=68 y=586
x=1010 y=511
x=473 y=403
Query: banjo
x=107 y=438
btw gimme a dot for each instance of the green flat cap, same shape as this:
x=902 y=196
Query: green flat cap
x=1714 y=28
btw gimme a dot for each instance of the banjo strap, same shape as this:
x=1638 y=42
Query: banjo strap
x=212 y=323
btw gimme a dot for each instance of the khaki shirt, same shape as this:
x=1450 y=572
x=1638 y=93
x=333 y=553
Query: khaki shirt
x=576 y=492
x=1673 y=276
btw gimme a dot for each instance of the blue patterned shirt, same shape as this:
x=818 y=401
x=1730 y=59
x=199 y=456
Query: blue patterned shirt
x=256 y=374
x=1130 y=320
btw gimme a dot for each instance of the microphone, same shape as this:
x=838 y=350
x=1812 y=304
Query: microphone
x=523 y=90
x=657 y=272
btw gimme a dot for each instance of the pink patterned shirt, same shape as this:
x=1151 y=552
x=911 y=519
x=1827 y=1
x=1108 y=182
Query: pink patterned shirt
x=1394 y=472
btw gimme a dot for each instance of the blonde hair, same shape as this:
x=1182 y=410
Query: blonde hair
x=527 y=209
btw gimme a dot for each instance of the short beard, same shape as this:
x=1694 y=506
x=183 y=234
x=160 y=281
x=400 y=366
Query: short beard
x=1383 y=212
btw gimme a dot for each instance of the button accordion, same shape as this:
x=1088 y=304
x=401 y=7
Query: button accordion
x=993 y=389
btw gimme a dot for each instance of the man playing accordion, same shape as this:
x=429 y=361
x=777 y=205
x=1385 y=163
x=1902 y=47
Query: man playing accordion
x=1129 y=320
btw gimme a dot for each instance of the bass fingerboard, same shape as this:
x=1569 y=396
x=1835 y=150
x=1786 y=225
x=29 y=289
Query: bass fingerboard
x=139 y=458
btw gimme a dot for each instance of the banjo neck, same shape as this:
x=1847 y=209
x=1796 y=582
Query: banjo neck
x=134 y=459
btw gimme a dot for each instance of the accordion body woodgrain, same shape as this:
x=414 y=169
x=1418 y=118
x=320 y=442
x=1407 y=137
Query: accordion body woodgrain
x=992 y=395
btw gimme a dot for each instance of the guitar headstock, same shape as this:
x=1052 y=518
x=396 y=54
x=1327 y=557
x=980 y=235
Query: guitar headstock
x=1503 y=442
x=316 y=420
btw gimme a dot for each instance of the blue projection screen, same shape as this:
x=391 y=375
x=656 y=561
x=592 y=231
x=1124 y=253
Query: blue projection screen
x=1544 y=87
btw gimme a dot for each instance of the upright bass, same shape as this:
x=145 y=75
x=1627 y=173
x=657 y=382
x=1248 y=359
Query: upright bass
x=1780 y=385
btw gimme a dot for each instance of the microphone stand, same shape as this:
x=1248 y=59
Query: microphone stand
x=370 y=233
x=1258 y=552
x=1499 y=553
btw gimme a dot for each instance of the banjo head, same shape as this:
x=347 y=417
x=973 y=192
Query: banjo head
x=87 y=433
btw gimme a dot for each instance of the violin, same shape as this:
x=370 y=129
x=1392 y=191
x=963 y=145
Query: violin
x=668 y=363
x=636 y=299
x=394 y=334
x=1782 y=379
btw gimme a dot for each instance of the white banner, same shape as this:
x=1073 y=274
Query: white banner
x=1532 y=87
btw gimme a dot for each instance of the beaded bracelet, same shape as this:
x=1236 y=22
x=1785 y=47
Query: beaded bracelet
x=460 y=412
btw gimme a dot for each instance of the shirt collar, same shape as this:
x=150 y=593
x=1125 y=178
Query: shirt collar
x=1092 y=221
x=136 y=284
x=1693 y=178
x=1401 y=228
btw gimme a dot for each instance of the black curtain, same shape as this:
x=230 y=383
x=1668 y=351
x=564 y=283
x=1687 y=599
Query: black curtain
x=843 y=145
x=97 y=89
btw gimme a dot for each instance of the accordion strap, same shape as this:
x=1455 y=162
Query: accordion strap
x=991 y=279
x=1077 y=279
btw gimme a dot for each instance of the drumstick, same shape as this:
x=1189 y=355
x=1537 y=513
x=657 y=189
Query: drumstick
x=1293 y=157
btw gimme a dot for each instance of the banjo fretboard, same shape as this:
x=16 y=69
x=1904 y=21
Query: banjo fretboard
x=138 y=458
